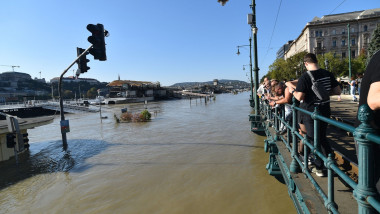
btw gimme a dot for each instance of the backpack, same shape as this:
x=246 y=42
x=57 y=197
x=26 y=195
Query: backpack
x=318 y=89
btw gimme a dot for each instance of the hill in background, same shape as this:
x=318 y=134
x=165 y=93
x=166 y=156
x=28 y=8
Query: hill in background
x=220 y=82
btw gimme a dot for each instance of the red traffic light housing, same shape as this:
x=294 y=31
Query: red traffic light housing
x=82 y=61
x=97 y=39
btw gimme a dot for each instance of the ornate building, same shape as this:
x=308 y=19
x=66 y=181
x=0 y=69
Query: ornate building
x=330 y=34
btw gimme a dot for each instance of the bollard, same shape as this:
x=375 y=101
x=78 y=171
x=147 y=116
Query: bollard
x=366 y=182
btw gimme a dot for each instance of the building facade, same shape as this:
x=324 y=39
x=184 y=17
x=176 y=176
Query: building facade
x=282 y=50
x=330 y=34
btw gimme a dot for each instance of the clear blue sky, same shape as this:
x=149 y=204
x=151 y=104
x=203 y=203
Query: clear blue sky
x=168 y=41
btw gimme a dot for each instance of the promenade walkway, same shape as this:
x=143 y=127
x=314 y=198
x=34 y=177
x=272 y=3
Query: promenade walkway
x=345 y=153
x=342 y=142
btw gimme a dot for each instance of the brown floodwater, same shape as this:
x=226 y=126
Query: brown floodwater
x=193 y=157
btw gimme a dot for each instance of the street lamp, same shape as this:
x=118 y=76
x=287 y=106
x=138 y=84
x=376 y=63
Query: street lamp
x=251 y=100
x=256 y=123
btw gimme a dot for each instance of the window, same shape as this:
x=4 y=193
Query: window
x=353 y=54
x=365 y=28
x=353 y=41
x=334 y=54
x=319 y=45
x=334 y=43
x=343 y=42
x=316 y=33
x=343 y=54
x=333 y=32
x=320 y=33
x=366 y=39
x=344 y=31
x=353 y=30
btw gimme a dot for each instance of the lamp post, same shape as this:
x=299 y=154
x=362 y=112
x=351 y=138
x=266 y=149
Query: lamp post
x=349 y=52
x=250 y=64
x=256 y=124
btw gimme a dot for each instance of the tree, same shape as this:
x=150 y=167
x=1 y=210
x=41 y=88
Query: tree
x=68 y=94
x=287 y=69
x=374 y=45
x=92 y=92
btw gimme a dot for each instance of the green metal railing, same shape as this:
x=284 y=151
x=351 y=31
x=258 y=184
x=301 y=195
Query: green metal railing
x=365 y=190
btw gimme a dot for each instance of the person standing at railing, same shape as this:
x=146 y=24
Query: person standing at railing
x=359 y=82
x=304 y=93
x=263 y=88
x=369 y=94
x=283 y=97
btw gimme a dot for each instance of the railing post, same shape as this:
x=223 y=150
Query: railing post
x=294 y=167
x=316 y=130
x=366 y=182
x=330 y=182
x=275 y=118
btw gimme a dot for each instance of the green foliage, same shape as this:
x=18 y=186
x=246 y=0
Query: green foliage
x=374 y=45
x=67 y=94
x=146 y=115
x=287 y=69
x=75 y=86
x=92 y=92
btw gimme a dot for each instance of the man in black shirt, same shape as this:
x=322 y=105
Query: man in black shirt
x=309 y=100
x=370 y=87
x=369 y=94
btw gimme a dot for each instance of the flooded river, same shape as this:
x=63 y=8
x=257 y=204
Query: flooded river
x=191 y=158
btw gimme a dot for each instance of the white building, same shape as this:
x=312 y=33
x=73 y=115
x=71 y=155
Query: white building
x=330 y=34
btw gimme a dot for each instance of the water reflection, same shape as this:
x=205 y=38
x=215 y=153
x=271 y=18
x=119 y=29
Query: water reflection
x=49 y=157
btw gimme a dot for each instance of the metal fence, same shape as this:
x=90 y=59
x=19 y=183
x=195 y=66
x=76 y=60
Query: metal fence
x=365 y=135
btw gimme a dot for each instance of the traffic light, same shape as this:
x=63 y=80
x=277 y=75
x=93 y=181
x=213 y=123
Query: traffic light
x=11 y=140
x=82 y=61
x=98 y=49
x=25 y=140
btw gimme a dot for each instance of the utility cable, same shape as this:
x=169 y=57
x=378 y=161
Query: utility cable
x=274 y=27
x=337 y=7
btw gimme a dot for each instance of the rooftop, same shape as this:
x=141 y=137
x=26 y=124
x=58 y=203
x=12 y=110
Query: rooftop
x=356 y=15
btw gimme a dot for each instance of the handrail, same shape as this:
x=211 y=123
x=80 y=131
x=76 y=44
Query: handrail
x=364 y=191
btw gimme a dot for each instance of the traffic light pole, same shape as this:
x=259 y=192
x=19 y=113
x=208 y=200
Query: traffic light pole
x=63 y=131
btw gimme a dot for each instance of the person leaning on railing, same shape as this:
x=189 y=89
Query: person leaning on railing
x=263 y=88
x=369 y=94
x=283 y=97
x=304 y=93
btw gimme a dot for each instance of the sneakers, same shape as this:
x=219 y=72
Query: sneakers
x=281 y=132
x=318 y=172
